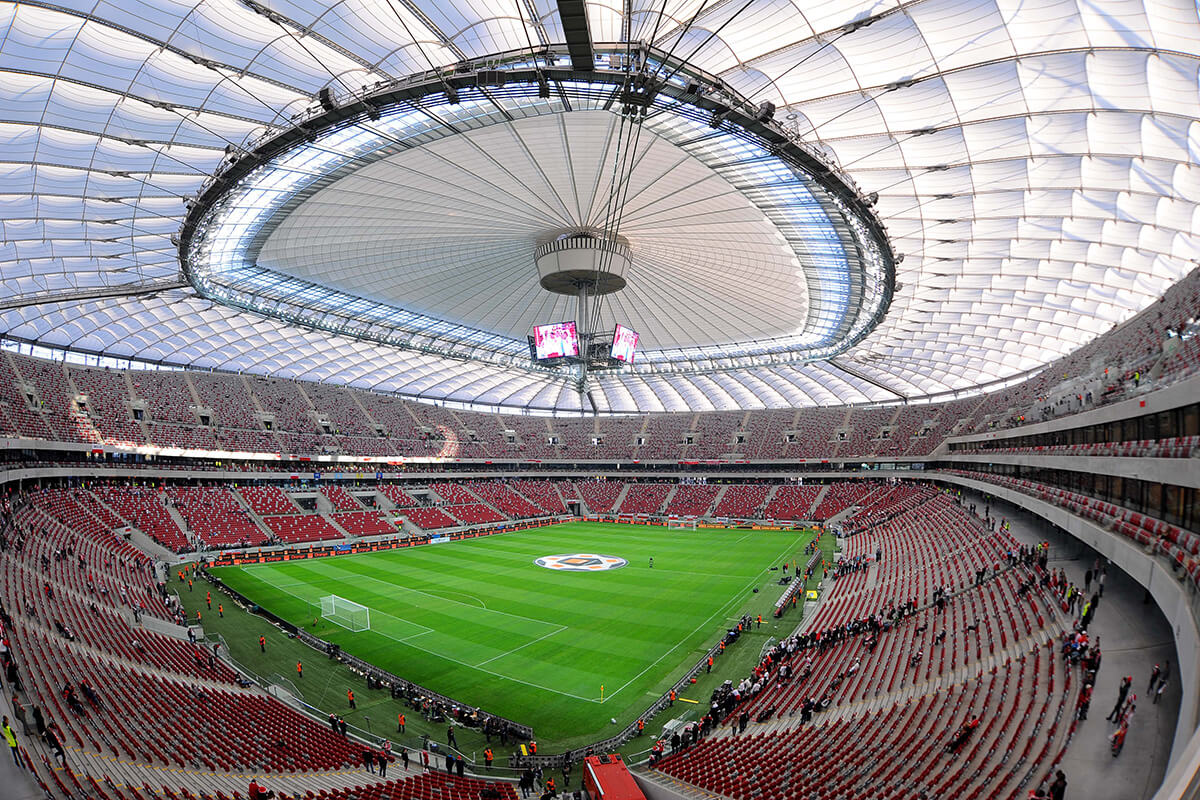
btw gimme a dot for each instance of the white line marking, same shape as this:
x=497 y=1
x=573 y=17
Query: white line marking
x=737 y=598
x=393 y=587
x=406 y=641
x=515 y=649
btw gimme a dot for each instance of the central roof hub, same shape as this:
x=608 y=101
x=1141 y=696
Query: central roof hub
x=578 y=260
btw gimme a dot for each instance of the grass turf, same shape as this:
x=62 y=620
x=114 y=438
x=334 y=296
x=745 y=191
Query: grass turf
x=479 y=621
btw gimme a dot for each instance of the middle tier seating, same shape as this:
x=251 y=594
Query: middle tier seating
x=644 y=498
x=791 y=502
x=341 y=499
x=264 y=500
x=742 y=501
x=364 y=523
x=429 y=518
x=297 y=528
x=501 y=497
x=692 y=501
x=216 y=517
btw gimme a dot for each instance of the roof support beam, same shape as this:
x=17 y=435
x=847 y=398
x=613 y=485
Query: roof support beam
x=573 y=14
x=862 y=377
x=79 y=295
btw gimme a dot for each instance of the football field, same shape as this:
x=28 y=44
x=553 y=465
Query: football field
x=480 y=621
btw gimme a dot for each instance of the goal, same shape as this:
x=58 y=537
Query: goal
x=688 y=524
x=347 y=613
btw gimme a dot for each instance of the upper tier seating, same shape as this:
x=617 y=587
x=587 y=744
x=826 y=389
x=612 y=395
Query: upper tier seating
x=49 y=381
x=287 y=402
x=108 y=404
x=37 y=400
x=229 y=399
x=168 y=396
x=20 y=413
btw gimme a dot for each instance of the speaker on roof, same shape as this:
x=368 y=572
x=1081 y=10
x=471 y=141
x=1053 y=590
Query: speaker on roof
x=490 y=77
x=766 y=111
x=325 y=98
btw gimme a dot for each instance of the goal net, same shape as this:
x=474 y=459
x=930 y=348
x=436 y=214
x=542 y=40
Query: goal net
x=347 y=613
x=681 y=524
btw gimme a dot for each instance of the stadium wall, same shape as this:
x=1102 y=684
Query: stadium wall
x=1175 y=395
x=1175 y=471
x=1179 y=604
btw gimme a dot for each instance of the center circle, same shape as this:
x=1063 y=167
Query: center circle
x=580 y=562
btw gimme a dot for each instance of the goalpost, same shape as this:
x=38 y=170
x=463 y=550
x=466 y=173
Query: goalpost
x=688 y=524
x=347 y=613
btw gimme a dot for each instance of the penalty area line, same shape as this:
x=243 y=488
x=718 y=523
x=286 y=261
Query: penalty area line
x=561 y=628
x=737 y=598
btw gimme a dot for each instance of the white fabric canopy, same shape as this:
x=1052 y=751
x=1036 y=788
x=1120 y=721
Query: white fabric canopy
x=1037 y=164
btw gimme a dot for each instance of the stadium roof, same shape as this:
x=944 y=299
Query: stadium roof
x=1036 y=164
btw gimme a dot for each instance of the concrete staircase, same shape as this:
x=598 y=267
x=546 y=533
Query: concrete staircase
x=717 y=498
x=666 y=503
x=817 y=500
x=173 y=512
x=620 y=499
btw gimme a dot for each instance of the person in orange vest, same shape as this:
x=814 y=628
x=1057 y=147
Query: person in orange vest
x=189 y=584
x=487 y=758
x=710 y=663
x=550 y=790
x=350 y=697
x=722 y=647
x=641 y=726
x=739 y=626
x=671 y=697
x=262 y=643
x=400 y=722
x=221 y=610
x=533 y=747
x=760 y=620
x=299 y=670
x=208 y=600
x=197 y=616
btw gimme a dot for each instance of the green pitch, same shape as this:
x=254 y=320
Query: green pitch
x=479 y=621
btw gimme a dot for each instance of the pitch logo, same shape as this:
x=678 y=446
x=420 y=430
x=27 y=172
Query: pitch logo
x=580 y=562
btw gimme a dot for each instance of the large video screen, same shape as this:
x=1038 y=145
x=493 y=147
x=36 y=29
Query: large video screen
x=624 y=344
x=556 y=340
